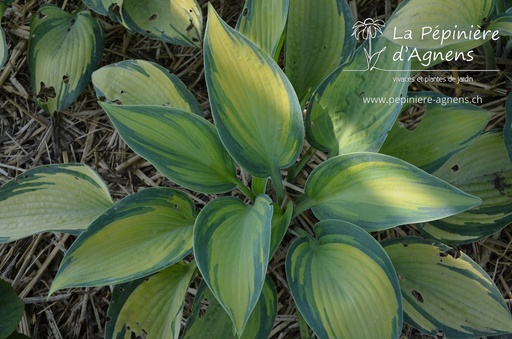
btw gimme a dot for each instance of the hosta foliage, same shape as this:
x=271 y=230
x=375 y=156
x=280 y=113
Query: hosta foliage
x=431 y=144
x=445 y=176
x=419 y=263
x=175 y=21
x=316 y=42
x=59 y=197
x=156 y=223
x=470 y=170
x=120 y=84
x=333 y=277
x=255 y=109
x=339 y=121
x=235 y=274
x=64 y=50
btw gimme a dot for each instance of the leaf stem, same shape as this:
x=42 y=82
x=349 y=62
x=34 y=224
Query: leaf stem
x=303 y=206
x=490 y=58
x=278 y=186
x=259 y=185
x=294 y=171
x=299 y=232
x=303 y=326
x=245 y=190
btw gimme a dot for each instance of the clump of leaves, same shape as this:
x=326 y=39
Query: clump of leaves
x=446 y=176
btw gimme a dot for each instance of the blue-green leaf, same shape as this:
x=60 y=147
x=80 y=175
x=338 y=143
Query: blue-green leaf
x=61 y=198
x=183 y=146
x=434 y=34
x=152 y=306
x=352 y=110
x=502 y=23
x=215 y=323
x=318 y=39
x=254 y=106
x=64 y=50
x=263 y=22
x=338 y=279
x=231 y=246
x=178 y=22
x=443 y=131
x=484 y=170
x=376 y=191
x=419 y=21
x=444 y=290
x=110 y=8
x=139 y=82
x=175 y=21
x=140 y=235
x=3 y=48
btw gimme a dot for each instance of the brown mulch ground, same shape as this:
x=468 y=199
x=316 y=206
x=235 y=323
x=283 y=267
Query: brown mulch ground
x=82 y=133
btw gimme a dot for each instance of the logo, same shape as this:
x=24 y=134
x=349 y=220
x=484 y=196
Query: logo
x=438 y=39
x=367 y=30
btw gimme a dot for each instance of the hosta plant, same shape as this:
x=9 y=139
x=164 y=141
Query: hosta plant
x=446 y=176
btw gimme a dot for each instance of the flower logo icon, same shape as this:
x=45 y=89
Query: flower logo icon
x=367 y=30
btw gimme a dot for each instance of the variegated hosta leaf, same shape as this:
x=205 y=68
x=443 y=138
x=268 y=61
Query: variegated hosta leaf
x=376 y=191
x=183 y=146
x=484 y=170
x=502 y=23
x=11 y=309
x=444 y=290
x=3 y=48
x=139 y=82
x=263 y=22
x=340 y=118
x=153 y=306
x=344 y=284
x=215 y=322
x=318 y=39
x=507 y=130
x=140 y=235
x=443 y=131
x=254 y=106
x=231 y=246
x=110 y=8
x=62 y=198
x=259 y=185
x=63 y=52
x=415 y=23
x=175 y=21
